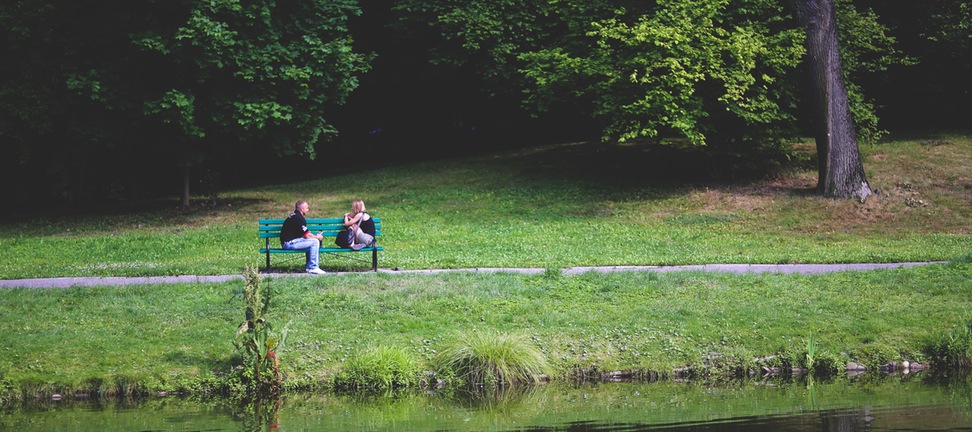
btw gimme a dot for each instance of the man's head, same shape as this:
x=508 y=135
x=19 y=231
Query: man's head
x=302 y=207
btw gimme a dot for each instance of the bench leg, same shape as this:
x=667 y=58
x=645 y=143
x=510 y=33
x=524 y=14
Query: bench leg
x=374 y=259
x=266 y=246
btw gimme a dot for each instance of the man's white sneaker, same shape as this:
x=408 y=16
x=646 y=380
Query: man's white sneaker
x=316 y=271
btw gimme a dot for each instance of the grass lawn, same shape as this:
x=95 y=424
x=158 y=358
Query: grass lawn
x=579 y=204
x=171 y=337
x=528 y=208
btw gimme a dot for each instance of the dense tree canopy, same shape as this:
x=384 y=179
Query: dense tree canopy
x=169 y=84
x=109 y=100
x=715 y=72
x=692 y=67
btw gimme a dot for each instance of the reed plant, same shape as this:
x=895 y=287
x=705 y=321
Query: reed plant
x=255 y=339
x=491 y=359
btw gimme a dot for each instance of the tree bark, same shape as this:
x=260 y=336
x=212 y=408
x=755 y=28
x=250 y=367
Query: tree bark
x=186 y=204
x=840 y=170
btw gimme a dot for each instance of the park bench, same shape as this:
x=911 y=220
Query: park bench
x=270 y=232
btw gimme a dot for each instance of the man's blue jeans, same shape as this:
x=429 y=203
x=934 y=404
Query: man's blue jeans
x=306 y=243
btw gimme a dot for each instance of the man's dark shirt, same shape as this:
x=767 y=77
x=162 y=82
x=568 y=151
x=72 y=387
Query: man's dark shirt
x=294 y=227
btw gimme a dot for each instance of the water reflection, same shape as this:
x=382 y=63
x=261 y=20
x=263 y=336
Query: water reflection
x=260 y=414
x=868 y=404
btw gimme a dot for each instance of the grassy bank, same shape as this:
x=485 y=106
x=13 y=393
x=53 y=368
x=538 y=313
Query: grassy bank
x=565 y=205
x=578 y=204
x=115 y=339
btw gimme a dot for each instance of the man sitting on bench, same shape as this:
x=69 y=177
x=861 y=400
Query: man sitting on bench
x=295 y=235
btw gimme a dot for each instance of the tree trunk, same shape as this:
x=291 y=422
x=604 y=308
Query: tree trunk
x=185 y=190
x=840 y=170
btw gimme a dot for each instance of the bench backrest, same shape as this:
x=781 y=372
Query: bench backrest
x=270 y=228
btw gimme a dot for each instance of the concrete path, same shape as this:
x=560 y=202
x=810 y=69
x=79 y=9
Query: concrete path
x=67 y=282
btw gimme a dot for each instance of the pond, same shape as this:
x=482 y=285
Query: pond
x=870 y=403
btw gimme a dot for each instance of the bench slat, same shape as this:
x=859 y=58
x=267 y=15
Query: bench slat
x=309 y=220
x=322 y=250
x=327 y=234
x=312 y=227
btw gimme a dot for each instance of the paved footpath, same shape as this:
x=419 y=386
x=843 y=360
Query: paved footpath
x=67 y=282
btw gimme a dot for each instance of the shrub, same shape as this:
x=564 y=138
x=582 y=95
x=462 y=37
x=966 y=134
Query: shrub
x=952 y=349
x=379 y=368
x=827 y=365
x=492 y=359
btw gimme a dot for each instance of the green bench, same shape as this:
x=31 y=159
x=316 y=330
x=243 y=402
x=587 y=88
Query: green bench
x=270 y=232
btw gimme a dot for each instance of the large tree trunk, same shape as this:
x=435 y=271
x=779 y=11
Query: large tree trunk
x=841 y=172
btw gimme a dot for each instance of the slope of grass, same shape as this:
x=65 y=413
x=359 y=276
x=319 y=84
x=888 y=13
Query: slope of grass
x=555 y=206
x=547 y=207
x=173 y=337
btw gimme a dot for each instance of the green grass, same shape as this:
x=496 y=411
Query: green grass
x=379 y=368
x=549 y=207
x=172 y=337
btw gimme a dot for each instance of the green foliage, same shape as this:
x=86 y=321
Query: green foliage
x=176 y=107
x=951 y=349
x=867 y=48
x=255 y=338
x=828 y=364
x=379 y=368
x=491 y=359
x=288 y=69
x=483 y=36
x=710 y=71
x=661 y=68
x=178 y=83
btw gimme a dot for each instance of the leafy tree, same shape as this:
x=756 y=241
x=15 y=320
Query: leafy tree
x=175 y=83
x=713 y=72
x=692 y=68
x=260 y=72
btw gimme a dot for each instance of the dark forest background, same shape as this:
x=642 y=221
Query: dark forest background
x=114 y=102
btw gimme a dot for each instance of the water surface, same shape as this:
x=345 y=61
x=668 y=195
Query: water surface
x=845 y=404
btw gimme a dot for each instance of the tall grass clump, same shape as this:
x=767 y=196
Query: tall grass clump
x=379 y=368
x=492 y=359
x=817 y=361
x=255 y=339
x=952 y=350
